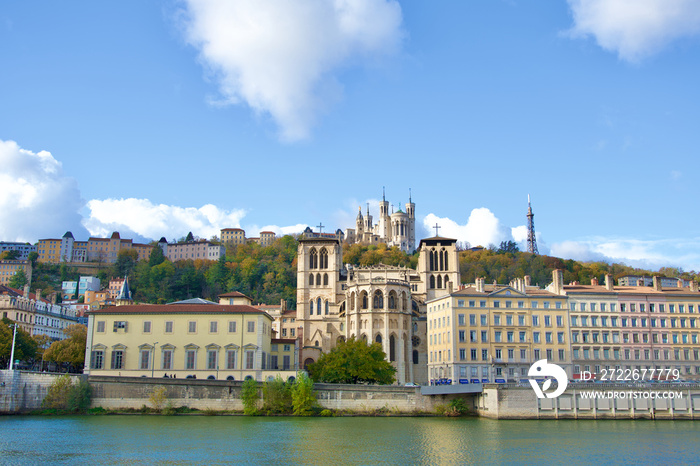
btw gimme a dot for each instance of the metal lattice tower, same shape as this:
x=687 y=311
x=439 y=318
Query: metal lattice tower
x=531 y=239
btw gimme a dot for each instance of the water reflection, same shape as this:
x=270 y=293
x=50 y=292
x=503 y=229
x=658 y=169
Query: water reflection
x=235 y=439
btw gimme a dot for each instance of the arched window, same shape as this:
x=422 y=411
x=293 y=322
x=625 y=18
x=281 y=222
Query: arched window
x=392 y=348
x=311 y=307
x=311 y=279
x=415 y=356
x=324 y=259
x=318 y=307
x=447 y=279
x=318 y=279
x=415 y=327
x=432 y=260
x=439 y=281
x=313 y=259
x=378 y=301
x=327 y=307
x=325 y=279
x=432 y=281
x=378 y=339
x=364 y=300
x=392 y=300
x=442 y=264
x=404 y=302
x=316 y=343
x=352 y=301
x=447 y=267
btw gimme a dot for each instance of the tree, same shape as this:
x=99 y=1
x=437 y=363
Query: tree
x=18 y=280
x=25 y=346
x=189 y=238
x=277 y=397
x=71 y=350
x=508 y=247
x=11 y=255
x=126 y=261
x=250 y=396
x=157 y=257
x=353 y=361
x=33 y=257
x=303 y=396
x=42 y=344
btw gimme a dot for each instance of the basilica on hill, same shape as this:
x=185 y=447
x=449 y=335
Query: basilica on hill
x=381 y=303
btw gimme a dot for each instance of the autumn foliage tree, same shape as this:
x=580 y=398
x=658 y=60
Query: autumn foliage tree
x=70 y=351
x=354 y=361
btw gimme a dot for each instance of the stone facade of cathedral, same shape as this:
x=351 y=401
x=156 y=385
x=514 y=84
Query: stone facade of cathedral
x=394 y=229
x=381 y=303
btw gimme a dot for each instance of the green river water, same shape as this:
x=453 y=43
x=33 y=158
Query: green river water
x=176 y=440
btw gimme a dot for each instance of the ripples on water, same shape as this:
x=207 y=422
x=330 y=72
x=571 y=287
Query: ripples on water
x=181 y=440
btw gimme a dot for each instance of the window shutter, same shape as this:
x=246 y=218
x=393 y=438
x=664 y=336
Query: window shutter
x=115 y=327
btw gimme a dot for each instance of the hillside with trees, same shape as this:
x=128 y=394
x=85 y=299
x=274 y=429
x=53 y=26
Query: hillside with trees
x=268 y=274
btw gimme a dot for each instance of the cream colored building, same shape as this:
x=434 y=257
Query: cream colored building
x=193 y=338
x=493 y=333
x=35 y=314
x=232 y=236
x=8 y=269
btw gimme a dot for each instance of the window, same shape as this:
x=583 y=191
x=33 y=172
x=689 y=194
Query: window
x=251 y=326
x=212 y=359
x=535 y=321
x=230 y=359
x=521 y=321
x=497 y=336
x=145 y=358
x=190 y=359
x=462 y=336
x=169 y=326
x=561 y=354
x=120 y=324
x=250 y=359
x=484 y=320
x=100 y=327
x=484 y=355
x=473 y=354
x=213 y=326
x=117 y=359
x=460 y=319
x=232 y=326
x=147 y=327
x=192 y=327
x=167 y=358
x=97 y=358
x=472 y=319
x=484 y=336
x=547 y=321
x=536 y=337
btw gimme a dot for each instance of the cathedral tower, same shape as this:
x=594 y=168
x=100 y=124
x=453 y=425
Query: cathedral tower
x=411 y=212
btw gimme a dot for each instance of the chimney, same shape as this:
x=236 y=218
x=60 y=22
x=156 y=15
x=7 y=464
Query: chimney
x=449 y=287
x=558 y=277
x=283 y=305
x=594 y=281
x=609 y=283
x=693 y=286
x=527 y=280
x=26 y=292
x=53 y=298
x=38 y=295
x=656 y=283
x=479 y=285
x=680 y=283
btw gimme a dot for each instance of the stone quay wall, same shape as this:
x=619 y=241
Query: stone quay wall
x=599 y=401
x=24 y=391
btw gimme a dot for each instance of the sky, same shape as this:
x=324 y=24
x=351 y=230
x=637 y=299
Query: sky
x=163 y=117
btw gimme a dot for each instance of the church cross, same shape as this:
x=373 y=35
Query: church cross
x=437 y=227
x=320 y=227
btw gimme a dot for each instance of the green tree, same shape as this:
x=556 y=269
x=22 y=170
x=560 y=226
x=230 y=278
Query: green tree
x=157 y=257
x=71 y=350
x=250 y=395
x=25 y=345
x=508 y=247
x=18 y=280
x=354 y=361
x=277 y=397
x=11 y=255
x=126 y=261
x=303 y=396
x=189 y=238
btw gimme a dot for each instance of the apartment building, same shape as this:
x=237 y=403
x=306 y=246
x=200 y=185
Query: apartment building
x=494 y=333
x=232 y=236
x=193 y=250
x=8 y=268
x=35 y=314
x=95 y=249
x=24 y=249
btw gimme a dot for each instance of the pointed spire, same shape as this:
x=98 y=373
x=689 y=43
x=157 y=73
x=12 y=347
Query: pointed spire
x=124 y=292
x=409 y=196
x=383 y=194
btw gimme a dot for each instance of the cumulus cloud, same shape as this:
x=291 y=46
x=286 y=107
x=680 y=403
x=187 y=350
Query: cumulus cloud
x=634 y=29
x=143 y=218
x=253 y=230
x=649 y=254
x=279 y=56
x=37 y=200
x=482 y=228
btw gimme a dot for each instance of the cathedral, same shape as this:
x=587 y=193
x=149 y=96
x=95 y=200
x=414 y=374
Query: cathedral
x=394 y=229
x=380 y=303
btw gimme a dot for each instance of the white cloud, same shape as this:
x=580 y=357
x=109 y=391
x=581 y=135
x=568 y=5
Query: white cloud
x=253 y=230
x=482 y=228
x=648 y=254
x=279 y=56
x=37 y=200
x=148 y=220
x=635 y=29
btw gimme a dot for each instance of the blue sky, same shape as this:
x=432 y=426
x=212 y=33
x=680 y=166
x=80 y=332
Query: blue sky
x=159 y=118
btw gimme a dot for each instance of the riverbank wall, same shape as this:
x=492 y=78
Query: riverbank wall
x=588 y=401
x=22 y=391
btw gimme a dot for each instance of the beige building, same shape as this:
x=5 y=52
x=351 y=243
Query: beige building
x=35 y=314
x=493 y=333
x=193 y=338
x=8 y=268
x=193 y=250
x=232 y=236
x=67 y=249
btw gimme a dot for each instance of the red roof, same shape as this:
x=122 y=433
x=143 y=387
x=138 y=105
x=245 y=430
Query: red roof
x=233 y=294
x=179 y=309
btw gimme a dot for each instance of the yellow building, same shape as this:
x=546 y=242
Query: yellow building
x=193 y=338
x=232 y=236
x=493 y=333
x=49 y=250
x=8 y=269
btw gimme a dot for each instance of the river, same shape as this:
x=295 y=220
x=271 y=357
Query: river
x=176 y=440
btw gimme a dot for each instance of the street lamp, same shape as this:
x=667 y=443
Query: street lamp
x=12 y=353
x=153 y=359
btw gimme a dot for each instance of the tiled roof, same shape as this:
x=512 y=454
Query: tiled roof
x=180 y=309
x=233 y=294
